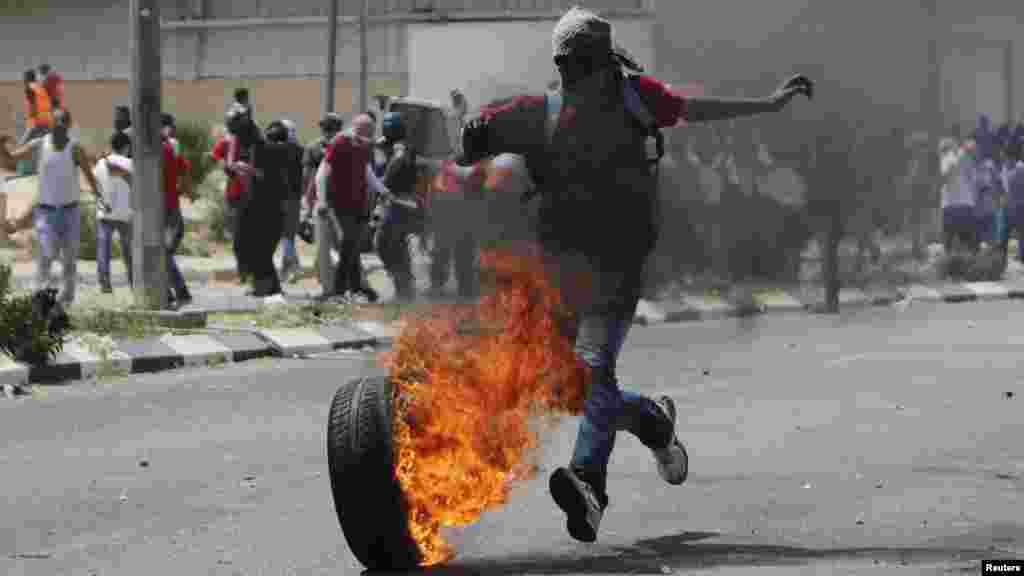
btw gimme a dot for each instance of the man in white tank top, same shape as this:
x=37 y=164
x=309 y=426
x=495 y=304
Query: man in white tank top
x=56 y=214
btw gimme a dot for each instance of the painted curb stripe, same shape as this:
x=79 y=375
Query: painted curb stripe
x=924 y=293
x=777 y=301
x=198 y=349
x=14 y=374
x=710 y=308
x=296 y=341
x=988 y=290
x=245 y=346
x=150 y=355
x=385 y=333
x=956 y=293
x=88 y=362
x=346 y=337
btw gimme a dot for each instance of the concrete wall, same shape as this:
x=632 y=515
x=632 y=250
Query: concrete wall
x=874 y=52
x=496 y=59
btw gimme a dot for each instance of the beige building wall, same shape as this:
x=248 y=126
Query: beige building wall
x=92 y=103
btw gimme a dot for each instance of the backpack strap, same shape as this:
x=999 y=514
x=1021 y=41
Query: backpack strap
x=553 y=103
x=635 y=105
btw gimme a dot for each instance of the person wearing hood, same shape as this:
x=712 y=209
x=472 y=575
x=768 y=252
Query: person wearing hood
x=392 y=240
x=268 y=173
x=597 y=188
x=324 y=233
x=293 y=203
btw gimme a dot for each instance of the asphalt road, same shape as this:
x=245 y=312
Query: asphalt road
x=878 y=442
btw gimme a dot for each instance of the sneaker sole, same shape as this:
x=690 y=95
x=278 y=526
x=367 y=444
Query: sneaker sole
x=670 y=408
x=664 y=472
x=573 y=503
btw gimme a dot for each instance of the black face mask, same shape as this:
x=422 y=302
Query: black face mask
x=576 y=68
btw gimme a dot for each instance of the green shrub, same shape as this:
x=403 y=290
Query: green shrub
x=32 y=327
x=196 y=142
x=211 y=193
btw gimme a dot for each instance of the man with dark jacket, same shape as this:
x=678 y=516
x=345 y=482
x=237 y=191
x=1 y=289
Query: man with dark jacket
x=597 y=219
x=262 y=216
x=400 y=179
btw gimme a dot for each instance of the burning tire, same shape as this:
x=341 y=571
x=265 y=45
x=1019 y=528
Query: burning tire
x=360 y=459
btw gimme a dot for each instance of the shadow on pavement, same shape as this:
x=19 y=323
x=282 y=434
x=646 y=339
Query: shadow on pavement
x=684 y=550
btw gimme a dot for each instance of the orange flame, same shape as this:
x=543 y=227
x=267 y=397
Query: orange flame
x=469 y=380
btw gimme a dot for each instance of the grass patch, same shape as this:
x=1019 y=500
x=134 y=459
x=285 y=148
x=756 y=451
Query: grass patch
x=313 y=314
x=114 y=323
x=284 y=316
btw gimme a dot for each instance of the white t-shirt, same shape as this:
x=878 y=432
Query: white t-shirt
x=116 y=191
x=58 y=174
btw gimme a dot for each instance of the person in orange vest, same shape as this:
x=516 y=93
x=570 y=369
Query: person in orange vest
x=53 y=82
x=38 y=113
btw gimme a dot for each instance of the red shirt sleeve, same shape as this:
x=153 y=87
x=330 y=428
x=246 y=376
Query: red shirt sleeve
x=503 y=106
x=667 y=105
x=220 y=149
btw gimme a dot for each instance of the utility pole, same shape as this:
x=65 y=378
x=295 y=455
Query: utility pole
x=332 y=55
x=935 y=122
x=364 y=59
x=149 y=269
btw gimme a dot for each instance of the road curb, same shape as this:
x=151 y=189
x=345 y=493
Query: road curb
x=159 y=354
x=704 y=308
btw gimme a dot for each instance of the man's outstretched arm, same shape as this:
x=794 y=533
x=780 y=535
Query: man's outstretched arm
x=670 y=106
x=9 y=158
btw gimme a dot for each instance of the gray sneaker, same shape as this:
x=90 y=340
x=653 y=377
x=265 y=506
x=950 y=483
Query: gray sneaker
x=577 y=499
x=673 y=462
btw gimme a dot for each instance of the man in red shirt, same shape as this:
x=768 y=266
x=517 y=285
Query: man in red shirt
x=598 y=219
x=222 y=152
x=176 y=183
x=342 y=192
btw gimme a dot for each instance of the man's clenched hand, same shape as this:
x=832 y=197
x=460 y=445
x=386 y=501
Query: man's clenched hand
x=798 y=84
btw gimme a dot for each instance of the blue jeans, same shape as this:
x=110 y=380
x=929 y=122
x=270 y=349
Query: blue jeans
x=174 y=232
x=58 y=230
x=104 y=243
x=289 y=254
x=601 y=332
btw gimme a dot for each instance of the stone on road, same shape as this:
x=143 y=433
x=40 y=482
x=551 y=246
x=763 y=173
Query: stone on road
x=875 y=442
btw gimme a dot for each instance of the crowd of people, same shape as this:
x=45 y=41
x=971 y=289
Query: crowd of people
x=983 y=187
x=327 y=192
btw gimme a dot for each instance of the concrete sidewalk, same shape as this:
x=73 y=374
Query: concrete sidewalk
x=195 y=269
x=91 y=356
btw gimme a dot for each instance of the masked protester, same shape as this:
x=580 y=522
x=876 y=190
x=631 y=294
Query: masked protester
x=293 y=200
x=324 y=232
x=597 y=221
x=267 y=182
x=344 y=182
x=399 y=219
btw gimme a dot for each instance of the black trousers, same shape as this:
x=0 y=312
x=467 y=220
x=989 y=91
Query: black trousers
x=348 y=276
x=261 y=226
x=234 y=222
